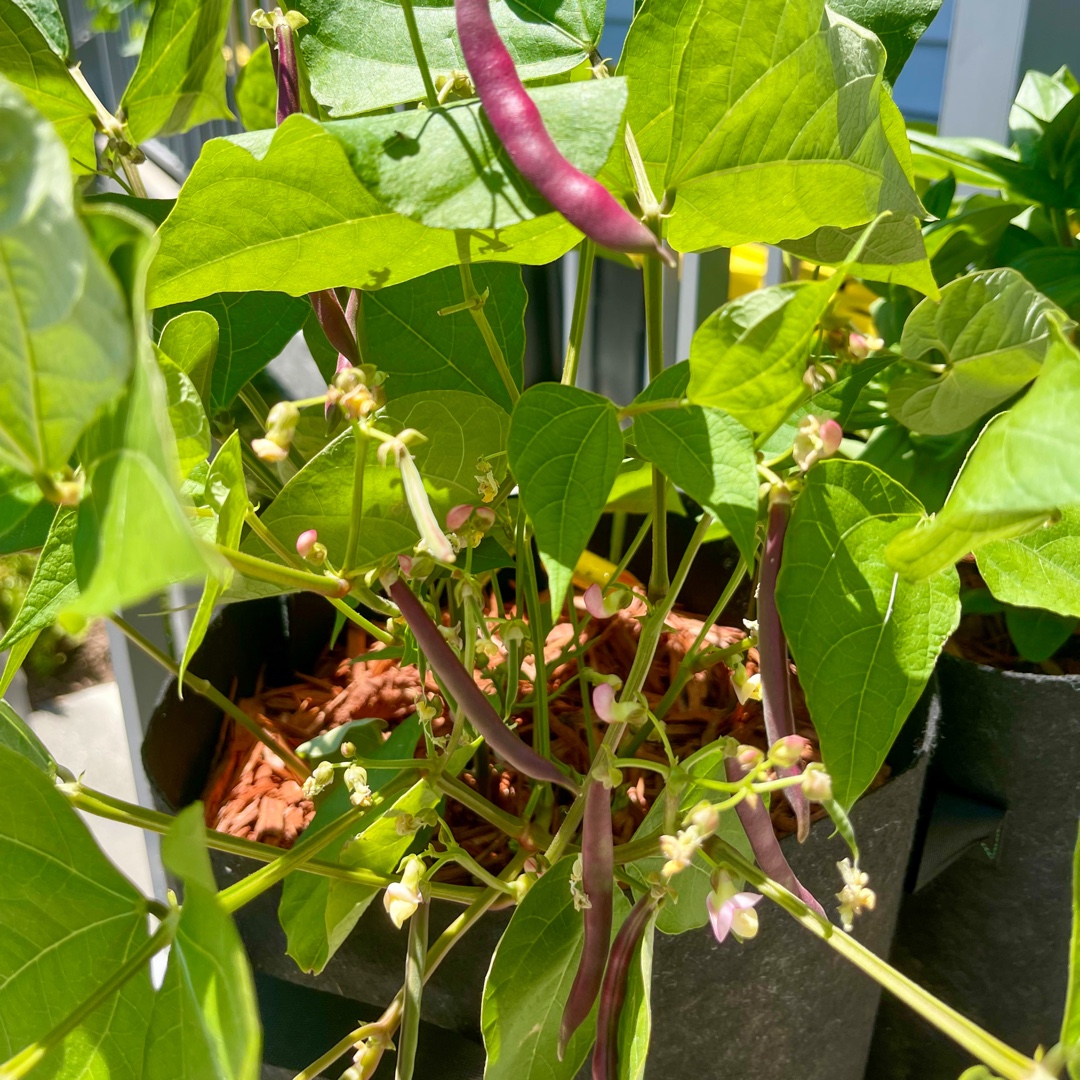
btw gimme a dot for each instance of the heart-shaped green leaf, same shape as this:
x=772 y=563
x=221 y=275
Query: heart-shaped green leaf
x=565 y=448
x=300 y=221
x=898 y=24
x=864 y=640
x=359 y=57
x=990 y=330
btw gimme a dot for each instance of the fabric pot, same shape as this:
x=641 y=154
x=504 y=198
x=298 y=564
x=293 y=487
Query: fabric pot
x=783 y=1000
x=987 y=926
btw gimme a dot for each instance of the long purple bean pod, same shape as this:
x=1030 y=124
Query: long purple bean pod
x=605 y=1062
x=583 y=201
x=288 y=79
x=469 y=697
x=773 y=654
x=598 y=883
x=757 y=824
x=336 y=324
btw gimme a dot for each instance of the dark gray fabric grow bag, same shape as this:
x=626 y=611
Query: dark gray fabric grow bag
x=784 y=1000
x=987 y=928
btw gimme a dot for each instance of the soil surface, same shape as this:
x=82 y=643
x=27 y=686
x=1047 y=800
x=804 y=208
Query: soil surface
x=250 y=794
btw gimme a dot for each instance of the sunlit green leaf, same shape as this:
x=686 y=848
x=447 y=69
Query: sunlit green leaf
x=25 y=516
x=187 y=416
x=28 y=58
x=446 y=168
x=990 y=330
x=180 y=79
x=565 y=449
x=17 y=735
x=864 y=640
x=1017 y=474
x=190 y=340
x=706 y=452
x=898 y=24
x=66 y=350
x=359 y=56
x=48 y=18
x=300 y=221
x=529 y=980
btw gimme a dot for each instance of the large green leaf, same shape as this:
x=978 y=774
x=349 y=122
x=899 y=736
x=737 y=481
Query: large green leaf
x=990 y=330
x=864 y=640
x=749 y=357
x=180 y=78
x=17 y=735
x=68 y=921
x=446 y=167
x=48 y=18
x=66 y=347
x=767 y=119
x=898 y=24
x=685 y=909
x=226 y=493
x=529 y=980
x=318 y=914
x=190 y=340
x=422 y=350
x=359 y=57
x=1070 y=1023
x=1041 y=569
x=25 y=516
x=53 y=587
x=252 y=328
x=1054 y=271
x=1018 y=473
x=187 y=416
x=459 y=428
x=205 y=1021
x=29 y=59
x=704 y=451
x=635 y=1019
x=299 y=221
x=565 y=449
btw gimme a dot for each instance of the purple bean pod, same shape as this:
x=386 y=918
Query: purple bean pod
x=758 y=827
x=583 y=201
x=598 y=883
x=288 y=80
x=335 y=324
x=773 y=655
x=605 y=1062
x=469 y=697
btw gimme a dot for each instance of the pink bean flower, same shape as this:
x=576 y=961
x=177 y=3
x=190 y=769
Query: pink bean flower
x=305 y=542
x=735 y=914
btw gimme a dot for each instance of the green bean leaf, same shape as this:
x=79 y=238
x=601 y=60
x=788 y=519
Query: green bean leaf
x=16 y=734
x=24 y=514
x=898 y=24
x=565 y=450
x=359 y=57
x=864 y=640
x=256 y=91
x=300 y=221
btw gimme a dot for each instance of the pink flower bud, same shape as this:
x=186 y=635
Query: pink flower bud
x=305 y=542
x=267 y=450
x=594 y=604
x=485 y=516
x=831 y=435
x=603 y=701
x=405 y=562
x=787 y=751
x=458 y=516
x=748 y=757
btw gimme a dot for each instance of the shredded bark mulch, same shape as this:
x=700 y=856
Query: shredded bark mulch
x=250 y=793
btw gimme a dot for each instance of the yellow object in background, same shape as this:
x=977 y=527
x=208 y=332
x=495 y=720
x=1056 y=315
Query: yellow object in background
x=595 y=570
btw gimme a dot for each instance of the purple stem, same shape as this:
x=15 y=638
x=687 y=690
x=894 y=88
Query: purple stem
x=469 y=697
x=773 y=655
x=583 y=201
x=758 y=826
x=605 y=1062
x=288 y=81
x=598 y=882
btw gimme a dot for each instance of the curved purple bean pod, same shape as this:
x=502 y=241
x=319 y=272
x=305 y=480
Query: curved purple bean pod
x=583 y=201
x=288 y=81
x=773 y=654
x=758 y=827
x=598 y=882
x=336 y=324
x=469 y=697
x=605 y=1062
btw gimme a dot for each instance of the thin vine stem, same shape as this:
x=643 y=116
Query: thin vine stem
x=418 y=51
x=582 y=289
x=287 y=576
x=206 y=689
x=537 y=629
x=653 y=274
x=1010 y=1064
x=357 y=512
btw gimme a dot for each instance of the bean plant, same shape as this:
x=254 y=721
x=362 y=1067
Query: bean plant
x=400 y=168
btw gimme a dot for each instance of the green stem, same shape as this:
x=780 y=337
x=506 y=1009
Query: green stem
x=207 y=690
x=538 y=632
x=354 y=820
x=357 y=512
x=418 y=51
x=653 y=273
x=586 y=261
x=479 y=316
x=627 y=412
x=632 y=550
x=106 y=806
x=618 y=536
x=1059 y=218
x=263 y=570
x=460 y=792
x=992 y=1052
x=21 y=1064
